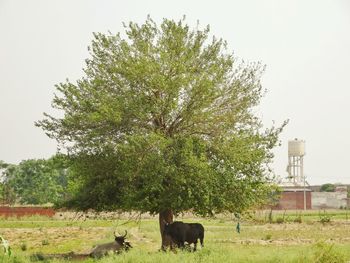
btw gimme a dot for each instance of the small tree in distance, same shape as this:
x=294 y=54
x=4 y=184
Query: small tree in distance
x=327 y=188
x=163 y=122
x=35 y=181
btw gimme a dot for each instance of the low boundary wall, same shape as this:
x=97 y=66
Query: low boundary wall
x=322 y=200
x=9 y=211
x=293 y=199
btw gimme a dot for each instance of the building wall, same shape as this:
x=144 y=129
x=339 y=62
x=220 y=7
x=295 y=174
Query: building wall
x=322 y=200
x=294 y=200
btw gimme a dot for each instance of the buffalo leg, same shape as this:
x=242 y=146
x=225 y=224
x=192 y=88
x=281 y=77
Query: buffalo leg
x=201 y=238
x=195 y=245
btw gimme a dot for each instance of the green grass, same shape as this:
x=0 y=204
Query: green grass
x=262 y=216
x=309 y=241
x=218 y=253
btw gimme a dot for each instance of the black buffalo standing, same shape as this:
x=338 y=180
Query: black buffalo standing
x=116 y=246
x=181 y=232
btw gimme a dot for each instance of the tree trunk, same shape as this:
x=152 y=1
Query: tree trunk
x=165 y=216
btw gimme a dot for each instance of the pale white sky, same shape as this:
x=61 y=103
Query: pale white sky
x=305 y=45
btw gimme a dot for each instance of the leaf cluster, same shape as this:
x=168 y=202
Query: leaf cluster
x=36 y=181
x=164 y=119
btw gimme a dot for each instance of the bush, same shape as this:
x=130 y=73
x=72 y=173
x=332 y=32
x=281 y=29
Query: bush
x=37 y=257
x=324 y=218
x=45 y=242
x=267 y=237
x=23 y=246
x=298 y=219
x=280 y=220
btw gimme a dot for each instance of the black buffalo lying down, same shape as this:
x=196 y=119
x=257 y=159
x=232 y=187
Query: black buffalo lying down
x=181 y=232
x=119 y=244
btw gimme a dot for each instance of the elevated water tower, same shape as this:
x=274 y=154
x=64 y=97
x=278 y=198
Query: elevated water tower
x=295 y=168
x=296 y=194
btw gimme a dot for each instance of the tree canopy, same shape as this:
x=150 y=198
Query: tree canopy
x=327 y=188
x=35 y=181
x=164 y=118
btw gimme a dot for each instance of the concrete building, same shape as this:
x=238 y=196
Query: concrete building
x=323 y=200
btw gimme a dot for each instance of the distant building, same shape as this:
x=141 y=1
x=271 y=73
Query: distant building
x=293 y=198
x=298 y=194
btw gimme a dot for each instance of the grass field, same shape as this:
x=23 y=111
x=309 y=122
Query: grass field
x=320 y=237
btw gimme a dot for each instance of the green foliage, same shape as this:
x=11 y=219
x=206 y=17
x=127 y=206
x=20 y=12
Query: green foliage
x=267 y=237
x=45 y=242
x=24 y=246
x=324 y=217
x=164 y=119
x=280 y=220
x=6 y=249
x=37 y=257
x=2 y=191
x=7 y=194
x=3 y=165
x=327 y=188
x=36 y=181
x=325 y=253
x=298 y=219
x=274 y=196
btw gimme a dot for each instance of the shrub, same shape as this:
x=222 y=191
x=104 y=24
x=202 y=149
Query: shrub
x=298 y=219
x=280 y=220
x=23 y=246
x=267 y=237
x=324 y=218
x=37 y=257
x=45 y=242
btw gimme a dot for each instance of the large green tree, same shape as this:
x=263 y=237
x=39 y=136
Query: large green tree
x=163 y=122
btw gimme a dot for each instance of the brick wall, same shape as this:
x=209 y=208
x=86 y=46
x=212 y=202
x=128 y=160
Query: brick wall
x=8 y=211
x=294 y=200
